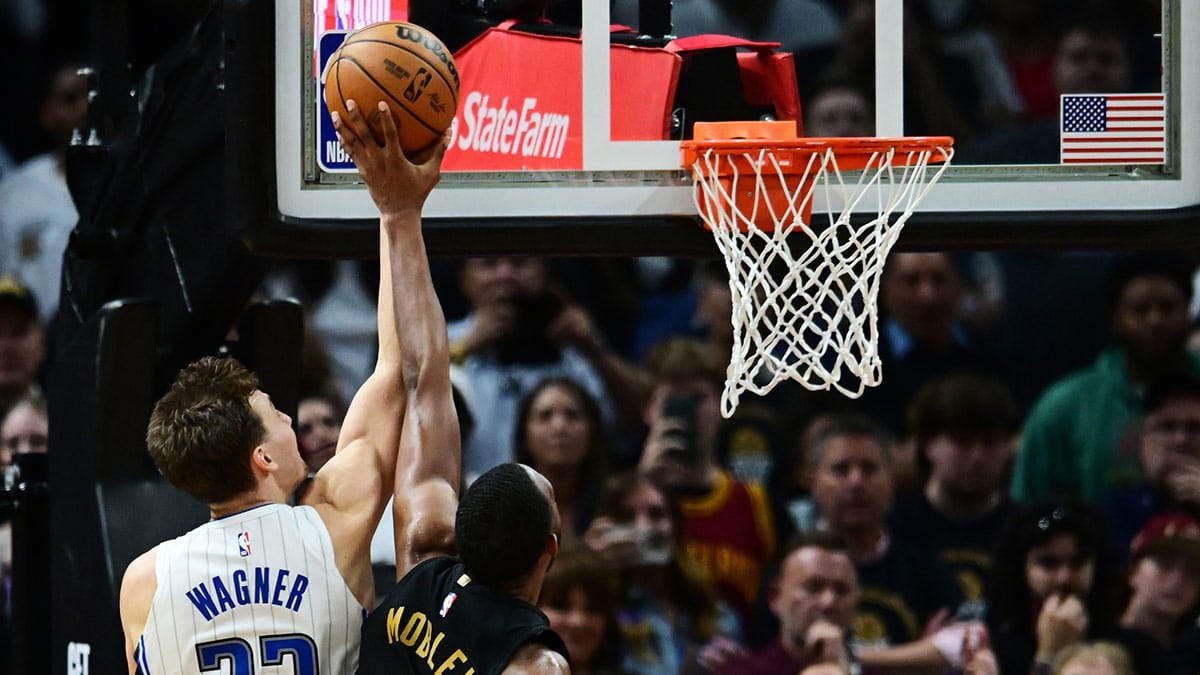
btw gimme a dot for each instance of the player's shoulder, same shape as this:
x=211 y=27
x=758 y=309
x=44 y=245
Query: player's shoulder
x=142 y=567
x=139 y=585
x=537 y=659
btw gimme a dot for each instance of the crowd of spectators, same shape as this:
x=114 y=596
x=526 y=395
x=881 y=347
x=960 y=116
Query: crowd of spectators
x=941 y=524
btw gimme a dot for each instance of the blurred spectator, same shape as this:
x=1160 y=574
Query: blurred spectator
x=668 y=302
x=318 y=423
x=343 y=315
x=808 y=29
x=838 y=108
x=1070 y=326
x=747 y=442
x=963 y=38
x=964 y=427
x=22 y=342
x=1025 y=33
x=920 y=337
x=728 y=523
x=791 y=501
x=940 y=89
x=905 y=590
x=1091 y=55
x=339 y=298
x=1082 y=437
x=520 y=330
x=1053 y=586
x=37 y=213
x=814 y=597
x=1164 y=583
x=1169 y=459
x=24 y=429
x=669 y=609
x=580 y=596
x=561 y=434
x=1095 y=658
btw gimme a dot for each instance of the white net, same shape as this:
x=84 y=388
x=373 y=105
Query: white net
x=805 y=297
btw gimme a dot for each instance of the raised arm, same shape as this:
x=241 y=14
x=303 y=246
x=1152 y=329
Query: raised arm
x=428 y=468
x=351 y=491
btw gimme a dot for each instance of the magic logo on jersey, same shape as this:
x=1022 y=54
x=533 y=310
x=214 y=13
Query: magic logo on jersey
x=243 y=541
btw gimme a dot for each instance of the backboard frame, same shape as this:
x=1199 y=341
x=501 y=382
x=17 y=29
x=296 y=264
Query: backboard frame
x=619 y=206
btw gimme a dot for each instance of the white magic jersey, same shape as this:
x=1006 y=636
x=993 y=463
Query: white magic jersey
x=254 y=592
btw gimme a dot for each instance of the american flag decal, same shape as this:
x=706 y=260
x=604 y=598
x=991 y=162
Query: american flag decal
x=1113 y=129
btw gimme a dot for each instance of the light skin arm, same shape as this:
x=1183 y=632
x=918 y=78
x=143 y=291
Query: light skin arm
x=428 y=469
x=536 y=659
x=137 y=592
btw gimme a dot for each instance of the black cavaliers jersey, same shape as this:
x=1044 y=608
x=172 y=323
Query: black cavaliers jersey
x=437 y=620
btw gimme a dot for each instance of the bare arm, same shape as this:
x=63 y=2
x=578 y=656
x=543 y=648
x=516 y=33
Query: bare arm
x=536 y=659
x=137 y=592
x=428 y=468
x=351 y=491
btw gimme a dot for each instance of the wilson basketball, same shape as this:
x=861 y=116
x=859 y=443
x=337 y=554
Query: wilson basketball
x=400 y=63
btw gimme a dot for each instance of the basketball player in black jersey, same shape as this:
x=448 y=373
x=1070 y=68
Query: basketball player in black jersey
x=448 y=615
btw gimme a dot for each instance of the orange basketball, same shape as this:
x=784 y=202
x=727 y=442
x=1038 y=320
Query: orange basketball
x=400 y=63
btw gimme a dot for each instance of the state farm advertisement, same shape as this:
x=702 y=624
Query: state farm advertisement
x=520 y=104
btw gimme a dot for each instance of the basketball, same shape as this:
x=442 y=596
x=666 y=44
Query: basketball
x=404 y=65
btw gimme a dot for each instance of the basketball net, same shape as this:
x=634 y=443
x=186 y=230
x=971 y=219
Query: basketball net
x=804 y=297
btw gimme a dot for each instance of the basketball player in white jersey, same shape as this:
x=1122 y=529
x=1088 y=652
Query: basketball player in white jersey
x=266 y=587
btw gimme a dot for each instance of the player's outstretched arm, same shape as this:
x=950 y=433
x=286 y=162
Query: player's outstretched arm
x=351 y=491
x=428 y=468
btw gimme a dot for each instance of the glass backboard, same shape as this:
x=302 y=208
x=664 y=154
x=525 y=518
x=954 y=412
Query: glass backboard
x=1043 y=159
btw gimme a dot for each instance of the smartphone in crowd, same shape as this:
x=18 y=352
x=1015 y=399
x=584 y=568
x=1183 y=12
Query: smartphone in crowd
x=682 y=410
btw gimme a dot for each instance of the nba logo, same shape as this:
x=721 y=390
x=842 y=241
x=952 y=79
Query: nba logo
x=446 y=603
x=244 y=544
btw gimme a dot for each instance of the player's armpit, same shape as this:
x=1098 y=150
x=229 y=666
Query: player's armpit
x=537 y=659
x=377 y=410
x=424 y=524
x=351 y=492
x=137 y=592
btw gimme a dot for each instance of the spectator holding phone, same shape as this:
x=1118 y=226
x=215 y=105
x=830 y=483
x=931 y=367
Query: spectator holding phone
x=669 y=611
x=522 y=329
x=728 y=526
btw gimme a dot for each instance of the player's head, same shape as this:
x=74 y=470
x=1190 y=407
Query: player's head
x=206 y=428
x=506 y=524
